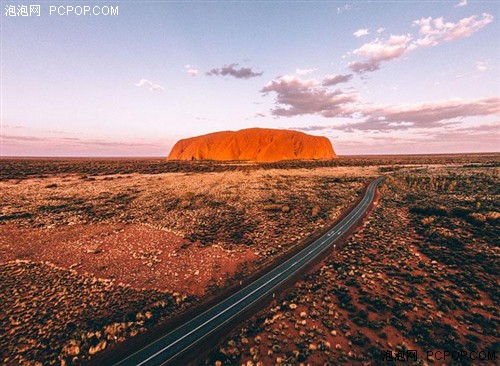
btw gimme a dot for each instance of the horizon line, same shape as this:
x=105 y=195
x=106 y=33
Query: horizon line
x=165 y=157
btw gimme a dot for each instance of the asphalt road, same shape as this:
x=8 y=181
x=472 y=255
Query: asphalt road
x=166 y=349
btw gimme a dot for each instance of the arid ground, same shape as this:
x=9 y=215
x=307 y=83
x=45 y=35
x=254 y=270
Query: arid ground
x=421 y=274
x=96 y=251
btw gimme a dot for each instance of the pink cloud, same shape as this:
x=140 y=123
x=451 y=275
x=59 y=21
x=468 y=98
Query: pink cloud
x=432 y=142
x=192 y=71
x=430 y=114
x=447 y=139
x=416 y=116
x=295 y=96
x=380 y=50
x=289 y=83
x=423 y=115
x=330 y=80
x=436 y=31
x=432 y=32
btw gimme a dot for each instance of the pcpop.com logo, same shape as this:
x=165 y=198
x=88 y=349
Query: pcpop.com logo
x=22 y=10
x=83 y=10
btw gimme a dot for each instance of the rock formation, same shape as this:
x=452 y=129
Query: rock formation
x=253 y=144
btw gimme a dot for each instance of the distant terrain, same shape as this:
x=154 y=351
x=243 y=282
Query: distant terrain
x=112 y=247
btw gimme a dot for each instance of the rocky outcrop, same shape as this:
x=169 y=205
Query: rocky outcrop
x=253 y=144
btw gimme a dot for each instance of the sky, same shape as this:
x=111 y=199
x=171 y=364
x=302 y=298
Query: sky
x=375 y=77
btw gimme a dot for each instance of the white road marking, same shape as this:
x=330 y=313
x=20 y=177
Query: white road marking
x=209 y=320
x=319 y=246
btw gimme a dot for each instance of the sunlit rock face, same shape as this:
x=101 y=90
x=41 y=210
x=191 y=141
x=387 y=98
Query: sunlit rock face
x=254 y=144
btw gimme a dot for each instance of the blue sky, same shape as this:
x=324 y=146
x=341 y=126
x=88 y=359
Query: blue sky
x=412 y=77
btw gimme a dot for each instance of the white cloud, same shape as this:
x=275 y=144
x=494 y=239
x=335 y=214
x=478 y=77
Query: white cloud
x=191 y=70
x=380 y=30
x=393 y=47
x=432 y=32
x=436 y=31
x=152 y=86
x=461 y=3
x=483 y=66
x=288 y=83
x=361 y=32
x=304 y=71
x=381 y=50
x=343 y=8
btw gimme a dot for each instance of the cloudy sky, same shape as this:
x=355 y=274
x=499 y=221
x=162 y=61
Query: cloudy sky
x=375 y=77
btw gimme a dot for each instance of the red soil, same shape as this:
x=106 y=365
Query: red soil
x=132 y=254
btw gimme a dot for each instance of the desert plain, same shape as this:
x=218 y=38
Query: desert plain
x=97 y=251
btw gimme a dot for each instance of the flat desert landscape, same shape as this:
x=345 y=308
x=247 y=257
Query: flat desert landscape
x=250 y=183
x=94 y=252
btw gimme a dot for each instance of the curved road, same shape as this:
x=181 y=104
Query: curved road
x=167 y=348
